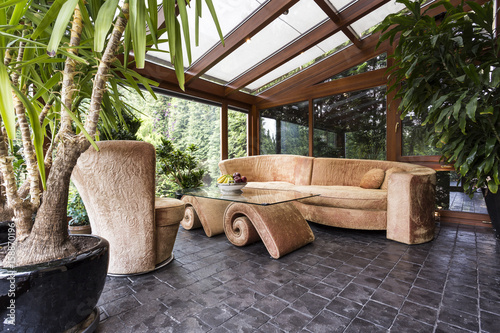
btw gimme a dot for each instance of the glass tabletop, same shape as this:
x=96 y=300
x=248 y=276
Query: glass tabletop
x=256 y=196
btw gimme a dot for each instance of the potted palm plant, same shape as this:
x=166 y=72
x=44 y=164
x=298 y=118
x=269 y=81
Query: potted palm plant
x=58 y=69
x=447 y=71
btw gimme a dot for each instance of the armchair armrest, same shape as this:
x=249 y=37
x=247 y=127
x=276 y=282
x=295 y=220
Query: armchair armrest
x=410 y=206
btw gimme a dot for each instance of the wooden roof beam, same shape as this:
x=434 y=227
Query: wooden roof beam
x=332 y=13
x=265 y=15
x=303 y=43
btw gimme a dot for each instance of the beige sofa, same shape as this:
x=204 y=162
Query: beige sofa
x=402 y=202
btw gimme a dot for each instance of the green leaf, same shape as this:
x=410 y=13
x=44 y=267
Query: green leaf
x=9 y=3
x=471 y=108
x=18 y=12
x=48 y=18
x=211 y=8
x=490 y=145
x=138 y=28
x=492 y=186
x=47 y=86
x=61 y=26
x=6 y=104
x=103 y=23
x=489 y=110
x=181 y=5
x=178 y=61
x=458 y=106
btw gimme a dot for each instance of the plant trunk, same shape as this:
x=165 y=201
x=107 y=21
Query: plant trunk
x=49 y=237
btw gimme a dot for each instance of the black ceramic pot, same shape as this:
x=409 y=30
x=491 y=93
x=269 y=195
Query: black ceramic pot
x=53 y=296
x=492 y=201
x=5 y=227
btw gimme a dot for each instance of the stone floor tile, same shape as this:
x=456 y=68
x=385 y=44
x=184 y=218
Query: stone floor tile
x=424 y=297
x=310 y=304
x=291 y=320
x=490 y=322
x=378 y=313
x=388 y=298
x=328 y=321
x=290 y=292
x=121 y=305
x=420 y=312
x=409 y=325
x=246 y=321
x=346 y=281
x=216 y=316
x=360 y=325
x=344 y=307
x=357 y=293
x=458 y=318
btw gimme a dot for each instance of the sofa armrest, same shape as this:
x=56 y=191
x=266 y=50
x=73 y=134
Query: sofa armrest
x=410 y=206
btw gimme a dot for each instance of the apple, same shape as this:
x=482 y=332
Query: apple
x=236 y=174
x=243 y=179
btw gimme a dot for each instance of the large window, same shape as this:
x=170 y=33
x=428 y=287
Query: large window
x=416 y=140
x=285 y=130
x=237 y=133
x=351 y=125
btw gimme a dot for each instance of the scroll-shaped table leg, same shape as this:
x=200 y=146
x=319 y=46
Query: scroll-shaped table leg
x=208 y=212
x=281 y=227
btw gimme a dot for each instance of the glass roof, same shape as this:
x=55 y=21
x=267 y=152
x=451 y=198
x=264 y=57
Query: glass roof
x=288 y=27
x=300 y=18
x=362 y=26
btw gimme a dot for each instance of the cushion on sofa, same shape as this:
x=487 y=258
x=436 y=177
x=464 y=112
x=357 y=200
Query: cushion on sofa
x=350 y=197
x=372 y=179
x=388 y=173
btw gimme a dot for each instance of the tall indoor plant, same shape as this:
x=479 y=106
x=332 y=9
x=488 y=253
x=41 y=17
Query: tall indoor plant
x=53 y=54
x=447 y=71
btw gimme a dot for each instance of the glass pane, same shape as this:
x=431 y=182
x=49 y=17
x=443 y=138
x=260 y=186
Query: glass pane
x=237 y=134
x=300 y=62
x=450 y=196
x=285 y=130
x=351 y=125
x=365 y=25
x=416 y=141
x=184 y=123
x=378 y=62
x=300 y=18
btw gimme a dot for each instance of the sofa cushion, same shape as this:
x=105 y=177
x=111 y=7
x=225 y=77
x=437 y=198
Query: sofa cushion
x=351 y=197
x=388 y=173
x=372 y=179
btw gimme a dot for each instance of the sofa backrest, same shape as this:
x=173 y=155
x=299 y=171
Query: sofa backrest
x=348 y=172
x=266 y=168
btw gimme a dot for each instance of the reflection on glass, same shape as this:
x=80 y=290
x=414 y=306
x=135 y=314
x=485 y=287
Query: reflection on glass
x=351 y=125
x=450 y=195
x=416 y=138
x=285 y=130
x=237 y=133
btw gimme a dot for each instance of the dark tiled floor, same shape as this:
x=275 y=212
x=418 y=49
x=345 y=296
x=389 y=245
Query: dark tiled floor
x=346 y=281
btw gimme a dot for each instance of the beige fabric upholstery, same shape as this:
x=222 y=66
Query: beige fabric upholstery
x=404 y=206
x=117 y=185
x=373 y=178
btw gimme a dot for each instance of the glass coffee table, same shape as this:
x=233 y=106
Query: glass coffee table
x=248 y=216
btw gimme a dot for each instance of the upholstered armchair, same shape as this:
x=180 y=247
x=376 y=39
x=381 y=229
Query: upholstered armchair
x=117 y=185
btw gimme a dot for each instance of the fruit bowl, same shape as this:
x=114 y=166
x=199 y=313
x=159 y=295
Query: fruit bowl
x=231 y=187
